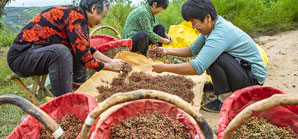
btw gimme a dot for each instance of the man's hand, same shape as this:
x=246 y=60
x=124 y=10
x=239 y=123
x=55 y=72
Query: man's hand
x=158 y=67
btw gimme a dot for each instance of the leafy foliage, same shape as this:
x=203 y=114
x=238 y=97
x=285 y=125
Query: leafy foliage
x=172 y=15
x=6 y=37
x=2 y=5
x=259 y=16
x=255 y=17
x=116 y=17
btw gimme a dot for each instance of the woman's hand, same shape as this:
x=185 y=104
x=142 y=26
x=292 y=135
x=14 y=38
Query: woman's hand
x=117 y=64
x=165 y=41
x=158 y=67
x=119 y=61
x=169 y=37
x=164 y=51
x=114 y=65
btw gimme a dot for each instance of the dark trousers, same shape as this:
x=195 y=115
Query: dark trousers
x=228 y=75
x=141 y=42
x=55 y=60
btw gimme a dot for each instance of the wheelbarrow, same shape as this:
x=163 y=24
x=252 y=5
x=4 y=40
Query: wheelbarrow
x=76 y=104
x=277 y=107
x=123 y=105
x=109 y=45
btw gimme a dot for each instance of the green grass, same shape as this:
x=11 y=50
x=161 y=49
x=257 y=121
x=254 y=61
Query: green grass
x=119 y=11
x=9 y=115
x=259 y=17
x=172 y=15
x=255 y=17
x=6 y=37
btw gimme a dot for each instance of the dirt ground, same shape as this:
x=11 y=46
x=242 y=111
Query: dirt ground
x=282 y=52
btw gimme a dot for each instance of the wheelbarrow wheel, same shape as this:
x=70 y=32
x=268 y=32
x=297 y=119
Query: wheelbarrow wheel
x=37 y=113
x=146 y=94
x=262 y=105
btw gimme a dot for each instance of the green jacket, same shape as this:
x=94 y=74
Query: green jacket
x=141 y=19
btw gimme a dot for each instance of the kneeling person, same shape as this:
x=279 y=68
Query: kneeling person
x=228 y=54
x=142 y=26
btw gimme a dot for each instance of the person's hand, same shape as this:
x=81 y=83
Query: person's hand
x=164 y=51
x=170 y=38
x=118 y=61
x=158 y=67
x=116 y=64
x=167 y=41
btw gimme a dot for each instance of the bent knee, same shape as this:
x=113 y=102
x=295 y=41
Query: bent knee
x=61 y=52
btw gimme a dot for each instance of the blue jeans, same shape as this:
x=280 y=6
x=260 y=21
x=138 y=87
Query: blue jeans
x=55 y=60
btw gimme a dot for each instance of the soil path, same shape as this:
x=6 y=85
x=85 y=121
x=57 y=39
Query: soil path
x=282 y=52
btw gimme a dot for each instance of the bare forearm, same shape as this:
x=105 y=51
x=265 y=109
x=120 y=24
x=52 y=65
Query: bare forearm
x=108 y=66
x=99 y=56
x=183 y=69
x=181 y=52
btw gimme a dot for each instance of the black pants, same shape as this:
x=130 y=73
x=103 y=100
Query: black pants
x=55 y=60
x=228 y=75
x=141 y=42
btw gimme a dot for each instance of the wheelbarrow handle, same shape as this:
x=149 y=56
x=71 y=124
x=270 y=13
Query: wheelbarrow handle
x=146 y=94
x=262 y=105
x=108 y=27
x=37 y=113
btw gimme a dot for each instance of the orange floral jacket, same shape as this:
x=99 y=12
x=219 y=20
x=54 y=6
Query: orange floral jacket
x=66 y=25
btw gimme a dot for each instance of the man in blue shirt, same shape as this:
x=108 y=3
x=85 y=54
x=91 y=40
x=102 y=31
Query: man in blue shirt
x=228 y=54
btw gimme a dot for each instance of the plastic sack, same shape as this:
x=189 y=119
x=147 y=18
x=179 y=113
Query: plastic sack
x=242 y=98
x=183 y=35
x=263 y=54
x=143 y=106
x=105 y=42
x=80 y=105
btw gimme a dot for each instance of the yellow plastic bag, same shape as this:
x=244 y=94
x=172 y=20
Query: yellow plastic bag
x=263 y=54
x=183 y=35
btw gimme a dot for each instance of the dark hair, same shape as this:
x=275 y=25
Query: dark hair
x=100 y=4
x=198 y=9
x=160 y=3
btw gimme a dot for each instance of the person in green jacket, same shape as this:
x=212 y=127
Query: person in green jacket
x=142 y=26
